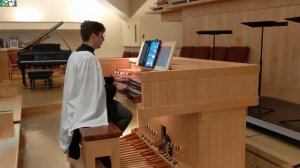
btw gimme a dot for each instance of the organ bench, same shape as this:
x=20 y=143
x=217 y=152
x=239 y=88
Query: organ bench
x=100 y=141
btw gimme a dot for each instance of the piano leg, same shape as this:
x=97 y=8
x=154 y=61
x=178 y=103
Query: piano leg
x=23 y=75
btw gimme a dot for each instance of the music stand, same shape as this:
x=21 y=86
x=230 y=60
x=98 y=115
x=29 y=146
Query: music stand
x=262 y=24
x=294 y=19
x=214 y=33
x=297 y=20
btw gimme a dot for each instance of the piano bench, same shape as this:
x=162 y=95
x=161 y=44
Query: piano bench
x=99 y=142
x=34 y=74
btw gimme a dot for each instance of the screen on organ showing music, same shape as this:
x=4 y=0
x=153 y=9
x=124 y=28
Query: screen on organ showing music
x=156 y=55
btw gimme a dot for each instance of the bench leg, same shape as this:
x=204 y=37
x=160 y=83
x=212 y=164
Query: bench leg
x=89 y=157
x=31 y=85
x=95 y=149
x=90 y=162
x=49 y=83
x=115 y=158
x=33 y=81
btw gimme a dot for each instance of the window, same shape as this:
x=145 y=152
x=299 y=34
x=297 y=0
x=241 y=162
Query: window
x=8 y=3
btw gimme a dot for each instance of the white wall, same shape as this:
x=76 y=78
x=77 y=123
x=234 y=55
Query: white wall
x=151 y=27
x=29 y=11
x=55 y=10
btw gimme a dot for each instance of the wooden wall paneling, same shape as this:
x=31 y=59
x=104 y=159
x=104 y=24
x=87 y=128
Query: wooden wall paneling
x=155 y=94
x=215 y=130
x=110 y=65
x=234 y=6
x=190 y=90
x=183 y=134
x=147 y=94
x=172 y=17
x=281 y=63
x=189 y=38
x=172 y=96
x=194 y=97
x=163 y=93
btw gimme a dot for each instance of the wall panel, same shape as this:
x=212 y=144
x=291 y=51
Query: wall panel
x=281 y=52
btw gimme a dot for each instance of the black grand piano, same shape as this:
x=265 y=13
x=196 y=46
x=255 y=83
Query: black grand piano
x=40 y=54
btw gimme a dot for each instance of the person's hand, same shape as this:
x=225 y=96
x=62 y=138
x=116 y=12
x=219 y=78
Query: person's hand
x=121 y=86
x=121 y=79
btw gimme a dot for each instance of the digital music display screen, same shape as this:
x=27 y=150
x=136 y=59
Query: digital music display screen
x=152 y=54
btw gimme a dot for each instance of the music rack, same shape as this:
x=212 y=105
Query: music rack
x=294 y=19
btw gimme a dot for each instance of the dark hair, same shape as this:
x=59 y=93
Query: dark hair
x=87 y=28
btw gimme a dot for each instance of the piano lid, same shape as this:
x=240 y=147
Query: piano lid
x=41 y=37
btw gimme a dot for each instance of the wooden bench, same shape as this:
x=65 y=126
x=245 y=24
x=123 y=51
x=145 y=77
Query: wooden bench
x=100 y=141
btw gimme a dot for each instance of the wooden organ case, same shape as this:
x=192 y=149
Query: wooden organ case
x=195 y=112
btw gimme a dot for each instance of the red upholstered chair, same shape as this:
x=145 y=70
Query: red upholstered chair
x=126 y=54
x=201 y=52
x=13 y=62
x=134 y=54
x=186 y=51
x=238 y=54
x=220 y=53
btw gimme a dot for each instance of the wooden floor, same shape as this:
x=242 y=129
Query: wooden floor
x=40 y=124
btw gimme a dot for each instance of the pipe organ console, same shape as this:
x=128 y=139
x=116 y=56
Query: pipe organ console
x=191 y=116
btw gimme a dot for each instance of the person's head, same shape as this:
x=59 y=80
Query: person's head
x=92 y=33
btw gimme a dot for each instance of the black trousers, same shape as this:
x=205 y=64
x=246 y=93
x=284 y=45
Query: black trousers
x=121 y=116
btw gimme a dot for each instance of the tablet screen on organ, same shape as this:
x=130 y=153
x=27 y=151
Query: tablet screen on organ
x=156 y=54
x=152 y=54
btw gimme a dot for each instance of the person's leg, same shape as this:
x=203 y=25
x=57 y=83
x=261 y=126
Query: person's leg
x=122 y=117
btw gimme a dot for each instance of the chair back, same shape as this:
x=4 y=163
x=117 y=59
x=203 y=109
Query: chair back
x=13 y=56
x=238 y=54
x=186 y=51
x=201 y=52
x=126 y=54
x=220 y=53
x=134 y=54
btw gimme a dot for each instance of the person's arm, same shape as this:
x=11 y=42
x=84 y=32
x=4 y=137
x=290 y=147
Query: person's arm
x=110 y=91
x=112 y=88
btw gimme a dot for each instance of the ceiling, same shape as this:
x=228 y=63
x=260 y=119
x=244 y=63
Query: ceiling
x=126 y=9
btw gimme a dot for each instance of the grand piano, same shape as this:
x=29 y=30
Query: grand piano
x=40 y=54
